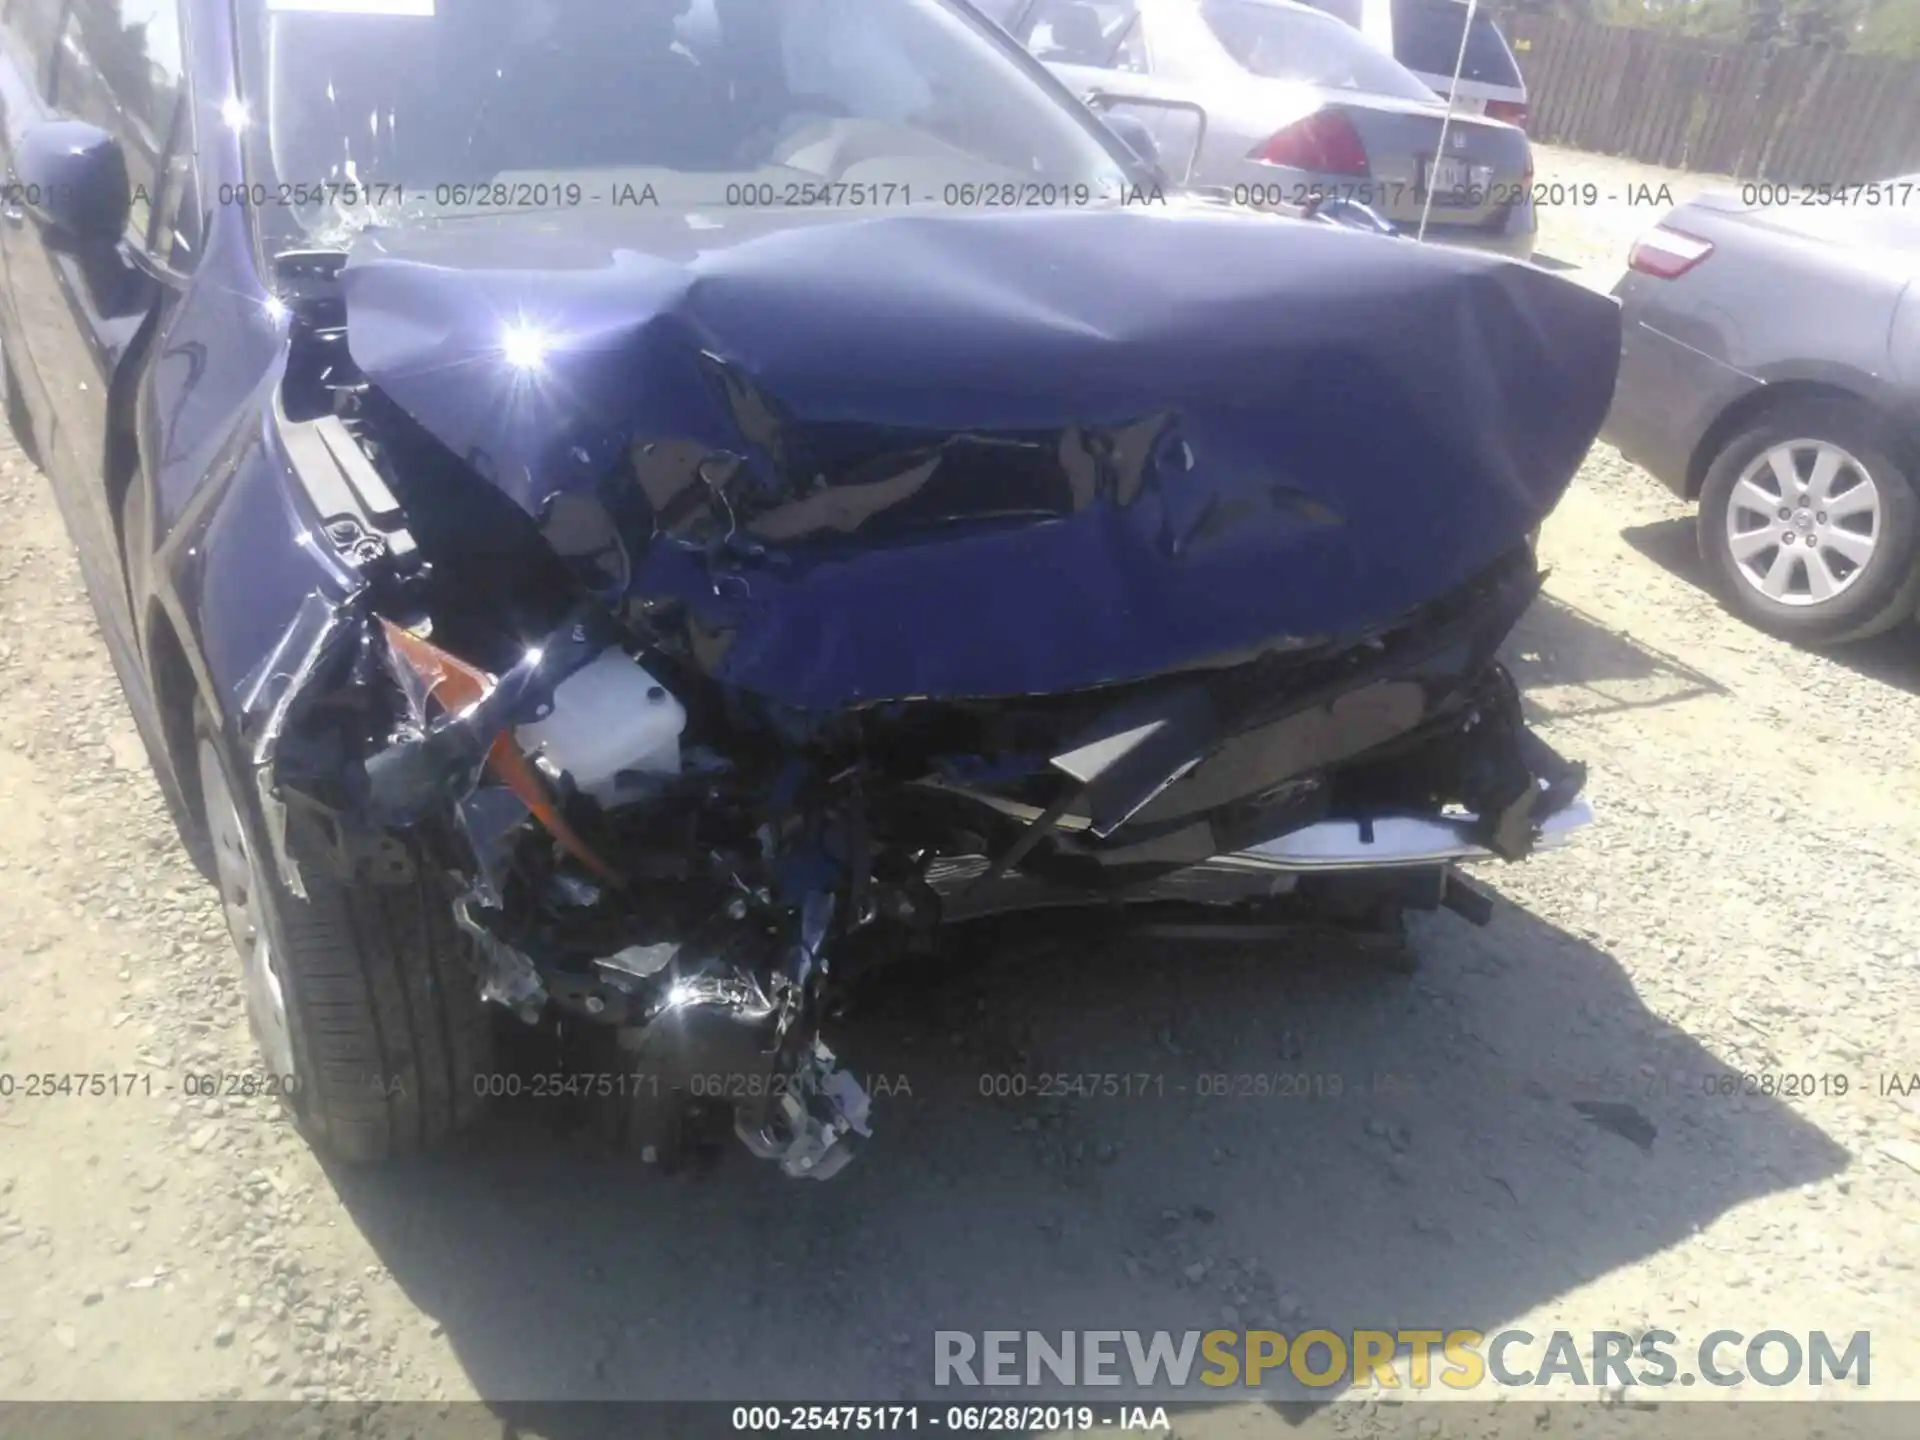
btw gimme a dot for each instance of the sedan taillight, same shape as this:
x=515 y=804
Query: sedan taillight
x=1514 y=112
x=1667 y=254
x=1324 y=143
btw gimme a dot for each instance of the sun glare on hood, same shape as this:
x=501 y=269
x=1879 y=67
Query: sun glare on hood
x=525 y=346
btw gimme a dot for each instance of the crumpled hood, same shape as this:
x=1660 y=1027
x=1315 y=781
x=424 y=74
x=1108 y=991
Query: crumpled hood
x=977 y=454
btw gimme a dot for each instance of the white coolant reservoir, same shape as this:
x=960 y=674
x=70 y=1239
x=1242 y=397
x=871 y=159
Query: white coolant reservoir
x=609 y=718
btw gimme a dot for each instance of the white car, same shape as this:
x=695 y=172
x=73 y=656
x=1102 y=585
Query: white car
x=1424 y=36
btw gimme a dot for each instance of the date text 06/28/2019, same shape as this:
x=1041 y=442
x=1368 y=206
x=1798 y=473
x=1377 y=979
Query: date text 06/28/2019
x=962 y=1419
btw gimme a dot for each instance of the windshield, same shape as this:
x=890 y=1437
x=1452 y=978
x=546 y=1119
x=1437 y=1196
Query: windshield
x=379 y=107
x=1283 y=43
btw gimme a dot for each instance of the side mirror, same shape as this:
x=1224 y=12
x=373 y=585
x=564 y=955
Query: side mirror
x=1167 y=134
x=72 y=179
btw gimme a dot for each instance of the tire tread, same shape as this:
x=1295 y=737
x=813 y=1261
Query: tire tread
x=389 y=1027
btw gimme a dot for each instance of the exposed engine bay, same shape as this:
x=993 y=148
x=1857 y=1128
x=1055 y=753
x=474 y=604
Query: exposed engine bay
x=637 y=690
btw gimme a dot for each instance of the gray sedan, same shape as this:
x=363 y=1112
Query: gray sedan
x=1770 y=370
x=1298 y=106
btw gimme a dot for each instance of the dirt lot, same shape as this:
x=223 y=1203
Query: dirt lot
x=1748 y=903
x=1592 y=206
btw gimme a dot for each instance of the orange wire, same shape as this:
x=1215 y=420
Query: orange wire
x=456 y=685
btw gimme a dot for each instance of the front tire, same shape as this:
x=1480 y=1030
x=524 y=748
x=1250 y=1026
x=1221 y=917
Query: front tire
x=361 y=998
x=1810 y=525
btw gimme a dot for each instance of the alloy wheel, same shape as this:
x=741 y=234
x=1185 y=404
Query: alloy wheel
x=1802 y=522
x=242 y=897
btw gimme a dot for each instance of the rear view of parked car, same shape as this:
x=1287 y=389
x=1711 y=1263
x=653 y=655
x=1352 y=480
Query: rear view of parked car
x=1770 y=370
x=1426 y=35
x=1299 y=107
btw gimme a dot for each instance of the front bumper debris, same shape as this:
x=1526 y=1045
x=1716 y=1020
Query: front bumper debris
x=699 y=911
x=697 y=675
x=1392 y=841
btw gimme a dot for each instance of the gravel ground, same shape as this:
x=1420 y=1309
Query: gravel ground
x=1747 y=903
x=1592 y=206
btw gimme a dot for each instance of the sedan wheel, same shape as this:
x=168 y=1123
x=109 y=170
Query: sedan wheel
x=363 y=994
x=1802 y=521
x=242 y=897
x=1811 y=525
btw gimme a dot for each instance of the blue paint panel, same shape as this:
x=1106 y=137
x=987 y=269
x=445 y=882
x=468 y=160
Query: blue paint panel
x=976 y=455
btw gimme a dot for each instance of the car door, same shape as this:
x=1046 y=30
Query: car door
x=118 y=66
x=29 y=30
x=87 y=313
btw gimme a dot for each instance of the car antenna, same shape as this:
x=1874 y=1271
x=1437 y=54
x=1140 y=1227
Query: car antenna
x=1446 y=121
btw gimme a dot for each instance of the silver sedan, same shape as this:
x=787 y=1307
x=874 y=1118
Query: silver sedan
x=1298 y=106
x=1770 y=371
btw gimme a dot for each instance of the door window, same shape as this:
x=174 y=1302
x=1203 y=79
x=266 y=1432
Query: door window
x=119 y=67
x=1426 y=38
x=1098 y=34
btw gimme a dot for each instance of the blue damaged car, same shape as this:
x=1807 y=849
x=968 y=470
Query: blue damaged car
x=614 y=514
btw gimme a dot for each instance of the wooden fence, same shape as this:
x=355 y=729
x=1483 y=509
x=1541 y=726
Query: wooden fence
x=1797 y=114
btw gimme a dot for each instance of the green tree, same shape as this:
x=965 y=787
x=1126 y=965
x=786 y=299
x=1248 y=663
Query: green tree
x=1818 y=22
x=1886 y=26
x=1890 y=27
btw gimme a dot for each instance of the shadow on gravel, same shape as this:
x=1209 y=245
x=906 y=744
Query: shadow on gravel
x=1570 y=664
x=1445 y=1168
x=1892 y=658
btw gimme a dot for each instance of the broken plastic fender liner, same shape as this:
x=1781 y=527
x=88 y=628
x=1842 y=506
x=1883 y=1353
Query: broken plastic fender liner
x=274 y=698
x=457 y=686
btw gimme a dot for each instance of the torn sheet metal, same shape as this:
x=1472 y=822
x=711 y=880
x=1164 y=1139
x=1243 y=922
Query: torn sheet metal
x=717 y=1012
x=508 y=977
x=1276 y=478
x=811 y=1123
x=441 y=762
x=492 y=818
x=921 y=455
x=435 y=767
x=317 y=643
